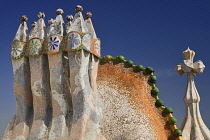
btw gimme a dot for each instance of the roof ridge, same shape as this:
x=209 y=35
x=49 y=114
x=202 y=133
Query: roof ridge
x=159 y=104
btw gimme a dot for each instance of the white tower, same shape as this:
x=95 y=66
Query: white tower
x=193 y=126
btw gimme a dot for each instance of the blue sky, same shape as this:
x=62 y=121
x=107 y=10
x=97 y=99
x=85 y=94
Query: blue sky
x=148 y=32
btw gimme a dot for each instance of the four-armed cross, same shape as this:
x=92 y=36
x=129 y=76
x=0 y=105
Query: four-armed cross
x=193 y=126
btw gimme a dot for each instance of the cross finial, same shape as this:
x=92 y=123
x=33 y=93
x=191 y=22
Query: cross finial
x=188 y=66
x=188 y=54
x=193 y=126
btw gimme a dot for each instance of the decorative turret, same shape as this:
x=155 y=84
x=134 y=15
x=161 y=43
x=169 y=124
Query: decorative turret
x=59 y=23
x=48 y=106
x=22 y=32
x=80 y=35
x=41 y=29
x=89 y=24
x=22 y=89
x=51 y=28
x=193 y=126
x=69 y=18
x=33 y=32
x=18 y=45
x=78 y=22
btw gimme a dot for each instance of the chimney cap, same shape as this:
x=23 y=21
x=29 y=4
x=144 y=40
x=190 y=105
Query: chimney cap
x=88 y=15
x=59 y=11
x=23 y=18
x=41 y=15
x=78 y=8
x=69 y=17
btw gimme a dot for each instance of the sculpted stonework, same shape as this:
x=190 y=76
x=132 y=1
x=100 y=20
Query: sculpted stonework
x=193 y=126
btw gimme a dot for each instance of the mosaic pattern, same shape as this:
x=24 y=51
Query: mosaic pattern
x=86 y=41
x=74 y=40
x=121 y=121
x=136 y=91
x=35 y=47
x=56 y=43
x=60 y=89
x=53 y=43
x=97 y=47
x=17 y=49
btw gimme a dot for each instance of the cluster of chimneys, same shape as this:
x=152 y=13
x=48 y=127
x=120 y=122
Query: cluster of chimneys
x=56 y=26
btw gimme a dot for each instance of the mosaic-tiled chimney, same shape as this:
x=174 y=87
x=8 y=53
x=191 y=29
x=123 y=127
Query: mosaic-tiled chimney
x=55 y=71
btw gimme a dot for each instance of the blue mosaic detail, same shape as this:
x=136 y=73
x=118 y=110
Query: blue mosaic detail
x=74 y=41
x=53 y=43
